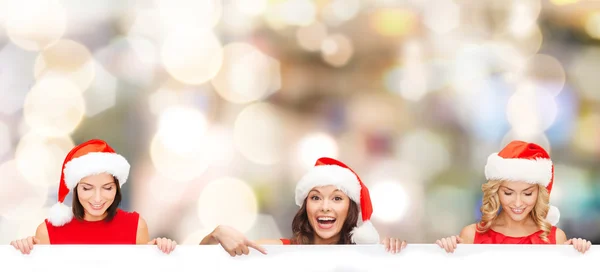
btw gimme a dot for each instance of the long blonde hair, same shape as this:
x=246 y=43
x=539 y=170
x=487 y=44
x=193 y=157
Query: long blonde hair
x=491 y=205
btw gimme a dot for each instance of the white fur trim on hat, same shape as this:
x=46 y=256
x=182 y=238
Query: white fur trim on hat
x=534 y=171
x=365 y=234
x=553 y=215
x=60 y=214
x=324 y=175
x=96 y=163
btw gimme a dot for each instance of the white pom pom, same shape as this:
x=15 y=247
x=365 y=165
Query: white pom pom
x=60 y=214
x=365 y=234
x=553 y=215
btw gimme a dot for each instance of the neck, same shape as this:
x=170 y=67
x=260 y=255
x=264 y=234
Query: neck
x=329 y=241
x=93 y=218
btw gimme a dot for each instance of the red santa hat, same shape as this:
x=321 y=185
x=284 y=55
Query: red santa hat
x=526 y=162
x=87 y=159
x=328 y=171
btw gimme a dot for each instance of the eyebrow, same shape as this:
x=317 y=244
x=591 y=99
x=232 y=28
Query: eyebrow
x=109 y=183
x=315 y=190
x=530 y=187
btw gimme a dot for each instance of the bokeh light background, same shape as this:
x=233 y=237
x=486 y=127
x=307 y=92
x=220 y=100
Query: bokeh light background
x=221 y=106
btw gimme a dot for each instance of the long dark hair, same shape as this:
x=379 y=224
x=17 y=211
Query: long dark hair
x=78 y=210
x=303 y=232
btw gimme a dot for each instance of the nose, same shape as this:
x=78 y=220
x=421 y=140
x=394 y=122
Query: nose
x=97 y=196
x=518 y=202
x=325 y=206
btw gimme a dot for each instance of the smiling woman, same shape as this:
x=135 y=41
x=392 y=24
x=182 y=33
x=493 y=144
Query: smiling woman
x=516 y=201
x=335 y=208
x=95 y=173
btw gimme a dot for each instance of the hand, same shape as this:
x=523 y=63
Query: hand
x=393 y=245
x=165 y=245
x=449 y=243
x=25 y=245
x=234 y=242
x=579 y=244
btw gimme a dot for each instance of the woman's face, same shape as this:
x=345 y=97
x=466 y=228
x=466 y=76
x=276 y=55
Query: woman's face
x=517 y=198
x=327 y=209
x=96 y=193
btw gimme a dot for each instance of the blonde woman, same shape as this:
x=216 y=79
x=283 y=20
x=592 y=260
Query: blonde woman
x=515 y=207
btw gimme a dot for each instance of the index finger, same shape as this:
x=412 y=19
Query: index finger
x=256 y=246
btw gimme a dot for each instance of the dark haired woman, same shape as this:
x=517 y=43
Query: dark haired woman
x=335 y=208
x=95 y=173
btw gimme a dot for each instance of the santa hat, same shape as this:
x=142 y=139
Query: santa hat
x=527 y=162
x=328 y=171
x=87 y=159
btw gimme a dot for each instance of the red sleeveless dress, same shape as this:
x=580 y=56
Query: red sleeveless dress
x=492 y=237
x=286 y=241
x=122 y=229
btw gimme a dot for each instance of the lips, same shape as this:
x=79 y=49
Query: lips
x=325 y=222
x=517 y=211
x=97 y=207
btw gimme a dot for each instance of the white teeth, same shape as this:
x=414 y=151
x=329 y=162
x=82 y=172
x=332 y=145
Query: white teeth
x=326 y=218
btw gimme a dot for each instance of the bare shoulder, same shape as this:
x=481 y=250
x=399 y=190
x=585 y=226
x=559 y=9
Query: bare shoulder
x=42 y=233
x=561 y=237
x=142 y=236
x=467 y=234
x=269 y=242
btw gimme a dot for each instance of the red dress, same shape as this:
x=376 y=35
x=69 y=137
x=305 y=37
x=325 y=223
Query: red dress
x=122 y=229
x=492 y=237
x=286 y=241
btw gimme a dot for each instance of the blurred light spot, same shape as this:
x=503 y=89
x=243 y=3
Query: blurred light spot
x=337 y=50
x=373 y=112
x=189 y=14
x=102 y=94
x=531 y=109
x=339 y=11
x=258 y=134
x=264 y=227
x=145 y=50
x=60 y=117
x=311 y=37
x=451 y=205
x=442 y=17
x=538 y=138
x=164 y=193
x=523 y=16
x=315 y=146
x=592 y=25
x=393 y=22
x=547 y=71
x=413 y=84
x=31 y=220
x=251 y=7
x=471 y=69
x=220 y=145
x=196 y=237
x=68 y=59
x=40 y=159
x=235 y=204
x=426 y=151
x=390 y=201
x=584 y=72
x=563 y=2
x=35 y=24
x=561 y=131
x=297 y=12
x=587 y=133
x=192 y=57
x=5 y=139
x=238 y=23
x=177 y=149
x=126 y=59
x=16 y=77
x=434 y=75
x=246 y=74
x=18 y=197
x=528 y=42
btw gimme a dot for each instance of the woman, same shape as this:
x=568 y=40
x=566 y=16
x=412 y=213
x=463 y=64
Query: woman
x=335 y=208
x=516 y=206
x=95 y=173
